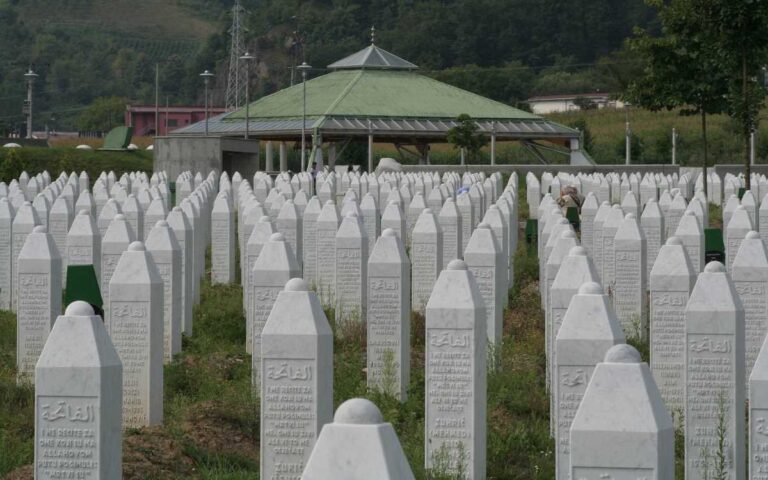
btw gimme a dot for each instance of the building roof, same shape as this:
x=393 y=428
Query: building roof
x=376 y=92
x=173 y=108
x=569 y=96
x=372 y=57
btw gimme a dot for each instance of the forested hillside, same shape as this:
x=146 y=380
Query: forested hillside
x=505 y=49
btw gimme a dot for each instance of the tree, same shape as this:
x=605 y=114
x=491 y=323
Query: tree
x=102 y=115
x=739 y=31
x=682 y=67
x=465 y=136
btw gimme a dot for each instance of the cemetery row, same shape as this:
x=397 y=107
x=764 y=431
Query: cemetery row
x=149 y=281
x=306 y=244
x=633 y=265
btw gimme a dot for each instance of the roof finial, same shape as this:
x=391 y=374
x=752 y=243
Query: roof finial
x=373 y=35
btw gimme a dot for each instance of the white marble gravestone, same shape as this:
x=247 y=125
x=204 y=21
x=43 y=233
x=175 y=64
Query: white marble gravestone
x=222 y=241
x=116 y=240
x=154 y=213
x=485 y=261
x=392 y=217
x=589 y=328
x=260 y=235
x=135 y=324
x=182 y=229
x=288 y=222
x=389 y=316
x=78 y=400
x=24 y=222
x=689 y=232
x=674 y=214
x=275 y=266
x=611 y=225
x=735 y=231
x=714 y=376
x=621 y=429
x=358 y=444
x=134 y=214
x=455 y=363
x=371 y=219
x=296 y=380
x=464 y=204
x=38 y=277
x=309 y=239
x=758 y=416
x=750 y=278
x=166 y=253
x=672 y=279
x=631 y=278
x=84 y=243
x=351 y=273
x=6 y=238
x=327 y=225
x=426 y=258
x=597 y=237
x=450 y=223
x=108 y=212
x=588 y=213
x=652 y=221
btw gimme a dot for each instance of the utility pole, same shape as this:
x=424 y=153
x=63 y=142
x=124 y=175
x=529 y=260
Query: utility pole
x=236 y=78
x=30 y=76
x=247 y=60
x=157 y=99
x=206 y=80
x=303 y=68
x=628 y=139
x=674 y=146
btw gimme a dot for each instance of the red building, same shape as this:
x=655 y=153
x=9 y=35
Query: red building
x=142 y=118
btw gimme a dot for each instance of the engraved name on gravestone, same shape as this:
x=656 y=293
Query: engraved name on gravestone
x=39 y=279
x=427 y=258
x=672 y=279
x=750 y=278
x=631 y=278
x=296 y=380
x=389 y=316
x=652 y=222
x=222 y=241
x=135 y=324
x=455 y=419
x=166 y=253
x=589 y=328
x=714 y=377
x=484 y=259
x=351 y=270
x=78 y=399
x=327 y=225
x=24 y=222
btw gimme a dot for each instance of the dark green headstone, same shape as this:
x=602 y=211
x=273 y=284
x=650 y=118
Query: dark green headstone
x=741 y=192
x=83 y=285
x=714 y=248
x=118 y=138
x=572 y=214
x=531 y=232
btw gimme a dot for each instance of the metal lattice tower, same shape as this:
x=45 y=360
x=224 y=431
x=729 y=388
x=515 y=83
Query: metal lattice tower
x=236 y=78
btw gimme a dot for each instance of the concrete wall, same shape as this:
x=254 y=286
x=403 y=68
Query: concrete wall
x=177 y=154
x=539 y=169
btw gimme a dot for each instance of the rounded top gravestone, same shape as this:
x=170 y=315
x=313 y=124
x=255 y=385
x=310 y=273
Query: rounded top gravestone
x=622 y=353
x=358 y=411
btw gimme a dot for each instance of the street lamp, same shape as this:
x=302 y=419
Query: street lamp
x=206 y=79
x=247 y=59
x=30 y=76
x=303 y=68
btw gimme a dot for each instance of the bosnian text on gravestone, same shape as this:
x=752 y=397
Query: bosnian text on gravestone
x=348 y=283
x=627 y=296
x=667 y=341
x=423 y=256
x=67 y=437
x=384 y=327
x=289 y=418
x=129 y=329
x=599 y=473
x=34 y=305
x=165 y=274
x=572 y=383
x=755 y=300
x=220 y=240
x=709 y=378
x=758 y=440
x=450 y=405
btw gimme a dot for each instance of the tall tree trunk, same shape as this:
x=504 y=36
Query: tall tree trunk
x=704 y=153
x=745 y=119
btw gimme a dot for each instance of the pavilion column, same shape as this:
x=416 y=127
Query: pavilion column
x=269 y=160
x=332 y=156
x=370 y=152
x=317 y=140
x=463 y=156
x=283 y=157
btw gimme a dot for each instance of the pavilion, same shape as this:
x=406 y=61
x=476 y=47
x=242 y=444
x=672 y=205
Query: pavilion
x=376 y=96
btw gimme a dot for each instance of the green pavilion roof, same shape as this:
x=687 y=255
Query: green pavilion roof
x=379 y=93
